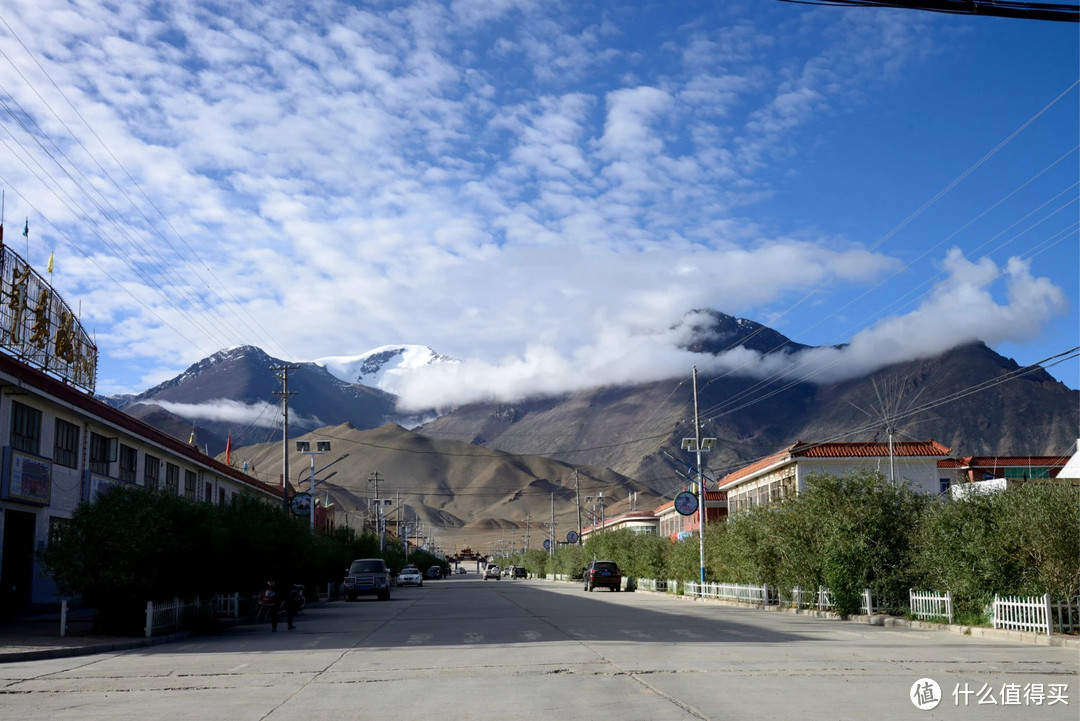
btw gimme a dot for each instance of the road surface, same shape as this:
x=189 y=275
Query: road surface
x=463 y=648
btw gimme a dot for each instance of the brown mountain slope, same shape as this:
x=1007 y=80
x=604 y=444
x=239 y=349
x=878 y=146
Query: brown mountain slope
x=967 y=398
x=465 y=495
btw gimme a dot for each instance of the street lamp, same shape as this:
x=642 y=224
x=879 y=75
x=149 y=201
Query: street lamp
x=304 y=447
x=321 y=447
x=699 y=444
x=597 y=501
x=379 y=503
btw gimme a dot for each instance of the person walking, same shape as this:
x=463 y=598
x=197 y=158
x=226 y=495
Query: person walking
x=282 y=602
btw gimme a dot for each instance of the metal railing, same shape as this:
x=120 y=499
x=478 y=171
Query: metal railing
x=1066 y=614
x=226 y=605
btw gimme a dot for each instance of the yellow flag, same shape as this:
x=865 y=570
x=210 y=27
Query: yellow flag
x=49 y=267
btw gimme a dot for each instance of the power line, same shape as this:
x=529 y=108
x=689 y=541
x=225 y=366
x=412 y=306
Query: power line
x=1017 y=9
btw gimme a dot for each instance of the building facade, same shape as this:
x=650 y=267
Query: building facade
x=677 y=527
x=785 y=473
x=970 y=469
x=60 y=447
x=636 y=521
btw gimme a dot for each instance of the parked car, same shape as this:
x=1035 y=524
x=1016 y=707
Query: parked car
x=410 y=576
x=491 y=571
x=367 y=577
x=434 y=572
x=603 y=574
x=461 y=570
x=520 y=572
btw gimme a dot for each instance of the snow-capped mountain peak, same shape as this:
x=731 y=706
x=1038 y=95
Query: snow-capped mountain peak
x=382 y=367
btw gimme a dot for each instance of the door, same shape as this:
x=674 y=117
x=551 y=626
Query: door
x=17 y=563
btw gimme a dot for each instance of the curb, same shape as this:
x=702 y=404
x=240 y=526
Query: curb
x=998 y=634
x=68 y=651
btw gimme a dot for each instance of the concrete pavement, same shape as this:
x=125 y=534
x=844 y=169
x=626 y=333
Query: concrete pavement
x=38 y=636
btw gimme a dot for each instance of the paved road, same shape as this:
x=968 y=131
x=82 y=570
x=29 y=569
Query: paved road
x=468 y=649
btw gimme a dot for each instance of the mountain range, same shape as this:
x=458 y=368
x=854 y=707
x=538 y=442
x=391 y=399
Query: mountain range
x=489 y=466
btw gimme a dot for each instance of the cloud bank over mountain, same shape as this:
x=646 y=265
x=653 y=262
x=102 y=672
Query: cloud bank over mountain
x=960 y=306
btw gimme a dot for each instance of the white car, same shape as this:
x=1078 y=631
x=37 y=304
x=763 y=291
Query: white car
x=492 y=571
x=410 y=576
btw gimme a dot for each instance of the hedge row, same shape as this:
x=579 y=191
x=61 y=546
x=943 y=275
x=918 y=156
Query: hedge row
x=132 y=546
x=863 y=531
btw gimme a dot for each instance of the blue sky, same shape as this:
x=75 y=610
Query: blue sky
x=543 y=189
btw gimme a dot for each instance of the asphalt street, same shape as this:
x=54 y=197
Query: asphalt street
x=463 y=648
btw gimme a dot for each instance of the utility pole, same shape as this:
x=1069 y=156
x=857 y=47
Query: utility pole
x=374 y=478
x=701 y=486
x=577 y=499
x=397 y=521
x=553 y=523
x=528 y=528
x=285 y=393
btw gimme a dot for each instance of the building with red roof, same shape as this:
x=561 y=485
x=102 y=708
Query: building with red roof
x=784 y=473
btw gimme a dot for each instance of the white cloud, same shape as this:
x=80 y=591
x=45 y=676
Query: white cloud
x=495 y=180
x=260 y=415
x=960 y=309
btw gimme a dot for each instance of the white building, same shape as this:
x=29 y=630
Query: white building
x=784 y=473
x=61 y=446
x=1071 y=471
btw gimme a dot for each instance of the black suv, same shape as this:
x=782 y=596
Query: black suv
x=367 y=577
x=603 y=573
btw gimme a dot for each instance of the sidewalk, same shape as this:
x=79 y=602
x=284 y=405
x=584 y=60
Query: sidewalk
x=29 y=638
x=999 y=634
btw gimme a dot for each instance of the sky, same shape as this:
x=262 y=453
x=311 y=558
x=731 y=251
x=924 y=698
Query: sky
x=543 y=190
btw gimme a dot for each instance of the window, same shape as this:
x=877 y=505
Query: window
x=943 y=486
x=66 y=444
x=221 y=496
x=57 y=526
x=25 y=428
x=102 y=453
x=189 y=484
x=208 y=492
x=129 y=459
x=172 y=478
x=1025 y=473
x=151 y=472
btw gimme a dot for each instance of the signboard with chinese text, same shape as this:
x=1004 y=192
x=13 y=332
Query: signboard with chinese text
x=28 y=478
x=93 y=484
x=39 y=328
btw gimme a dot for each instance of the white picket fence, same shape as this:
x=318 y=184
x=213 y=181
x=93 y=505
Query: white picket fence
x=168 y=616
x=651 y=584
x=1023 y=613
x=226 y=605
x=821 y=599
x=1038 y=614
x=930 y=605
x=743 y=593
